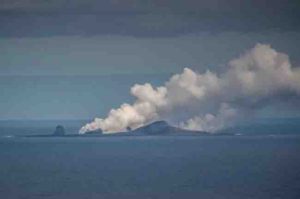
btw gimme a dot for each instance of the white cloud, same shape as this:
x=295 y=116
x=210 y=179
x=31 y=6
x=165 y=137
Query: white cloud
x=216 y=99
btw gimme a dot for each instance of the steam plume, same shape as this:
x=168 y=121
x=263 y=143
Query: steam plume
x=208 y=101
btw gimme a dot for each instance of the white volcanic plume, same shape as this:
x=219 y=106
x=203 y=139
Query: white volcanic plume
x=208 y=101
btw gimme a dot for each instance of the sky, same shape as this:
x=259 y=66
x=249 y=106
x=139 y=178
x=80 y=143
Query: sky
x=78 y=59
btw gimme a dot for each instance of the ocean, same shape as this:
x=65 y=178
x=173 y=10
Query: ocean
x=220 y=167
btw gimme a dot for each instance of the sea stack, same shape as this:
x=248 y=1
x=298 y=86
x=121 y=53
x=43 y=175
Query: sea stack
x=59 y=131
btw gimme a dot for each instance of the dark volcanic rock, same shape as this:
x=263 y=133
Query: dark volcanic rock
x=156 y=128
x=94 y=132
x=59 y=131
x=162 y=128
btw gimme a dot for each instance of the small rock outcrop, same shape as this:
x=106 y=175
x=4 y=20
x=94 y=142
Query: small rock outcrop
x=59 y=131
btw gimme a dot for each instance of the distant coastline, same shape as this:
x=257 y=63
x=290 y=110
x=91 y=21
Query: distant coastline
x=37 y=128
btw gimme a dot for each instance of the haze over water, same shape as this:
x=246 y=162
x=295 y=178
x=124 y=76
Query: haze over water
x=151 y=167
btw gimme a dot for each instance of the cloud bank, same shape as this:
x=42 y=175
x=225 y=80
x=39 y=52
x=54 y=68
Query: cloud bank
x=208 y=101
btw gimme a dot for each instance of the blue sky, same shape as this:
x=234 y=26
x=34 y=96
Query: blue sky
x=62 y=60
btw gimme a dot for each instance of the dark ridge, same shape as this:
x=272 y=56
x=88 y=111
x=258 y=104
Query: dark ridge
x=163 y=128
x=94 y=132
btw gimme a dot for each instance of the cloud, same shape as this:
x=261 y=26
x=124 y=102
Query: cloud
x=210 y=122
x=208 y=101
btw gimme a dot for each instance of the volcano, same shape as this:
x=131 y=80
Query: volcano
x=162 y=128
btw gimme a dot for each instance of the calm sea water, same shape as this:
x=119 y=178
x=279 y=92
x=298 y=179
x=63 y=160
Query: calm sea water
x=151 y=167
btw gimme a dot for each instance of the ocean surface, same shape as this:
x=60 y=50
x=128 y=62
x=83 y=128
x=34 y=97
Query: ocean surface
x=230 y=167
